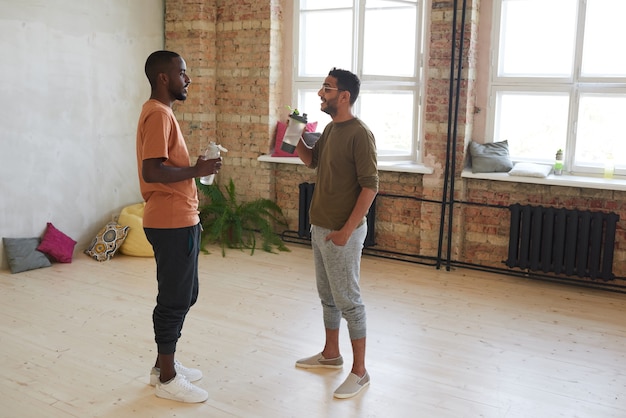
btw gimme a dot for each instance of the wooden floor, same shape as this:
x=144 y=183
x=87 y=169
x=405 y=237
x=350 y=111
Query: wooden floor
x=76 y=341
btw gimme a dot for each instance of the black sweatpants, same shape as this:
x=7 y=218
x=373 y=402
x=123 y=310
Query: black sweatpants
x=176 y=254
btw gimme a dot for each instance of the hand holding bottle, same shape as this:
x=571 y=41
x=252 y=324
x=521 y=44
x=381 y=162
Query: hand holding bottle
x=213 y=154
x=295 y=129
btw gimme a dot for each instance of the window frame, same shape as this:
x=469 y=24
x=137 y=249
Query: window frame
x=373 y=83
x=574 y=85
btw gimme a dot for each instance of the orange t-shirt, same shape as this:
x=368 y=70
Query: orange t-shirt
x=168 y=205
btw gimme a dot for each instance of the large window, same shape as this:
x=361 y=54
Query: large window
x=381 y=42
x=559 y=82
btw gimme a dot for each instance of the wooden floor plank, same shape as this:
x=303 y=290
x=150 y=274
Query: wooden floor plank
x=76 y=341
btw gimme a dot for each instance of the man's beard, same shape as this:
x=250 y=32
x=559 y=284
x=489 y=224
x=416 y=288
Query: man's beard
x=330 y=109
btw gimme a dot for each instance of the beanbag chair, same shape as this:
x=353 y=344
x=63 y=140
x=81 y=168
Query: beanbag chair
x=136 y=243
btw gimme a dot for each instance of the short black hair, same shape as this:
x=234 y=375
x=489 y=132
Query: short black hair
x=158 y=62
x=348 y=81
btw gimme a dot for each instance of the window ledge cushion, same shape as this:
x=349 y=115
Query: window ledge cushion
x=530 y=170
x=492 y=157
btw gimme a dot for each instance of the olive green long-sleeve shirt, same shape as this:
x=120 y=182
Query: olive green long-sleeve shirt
x=345 y=159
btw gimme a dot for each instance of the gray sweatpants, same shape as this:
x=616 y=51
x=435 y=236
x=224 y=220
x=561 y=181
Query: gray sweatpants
x=337 y=270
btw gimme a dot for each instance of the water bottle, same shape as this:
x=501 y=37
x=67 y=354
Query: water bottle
x=213 y=151
x=558 y=164
x=296 y=126
x=609 y=167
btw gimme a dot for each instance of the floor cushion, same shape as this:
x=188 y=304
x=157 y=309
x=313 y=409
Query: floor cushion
x=136 y=243
x=22 y=254
x=107 y=242
x=55 y=244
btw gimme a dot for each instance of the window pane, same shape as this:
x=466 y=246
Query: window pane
x=602 y=50
x=390 y=116
x=321 y=48
x=389 y=41
x=534 y=124
x=537 y=38
x=385 y=48
x=600 y=129
x=324 y=4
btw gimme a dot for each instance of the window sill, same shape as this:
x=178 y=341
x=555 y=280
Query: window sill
x=552 y=180
x=280 y=160
x=395 y=166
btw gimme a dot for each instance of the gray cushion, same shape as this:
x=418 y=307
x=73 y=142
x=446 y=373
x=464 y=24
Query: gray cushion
x=492 y=157
x=22 y=254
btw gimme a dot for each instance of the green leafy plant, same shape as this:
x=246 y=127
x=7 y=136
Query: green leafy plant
x=233 y=224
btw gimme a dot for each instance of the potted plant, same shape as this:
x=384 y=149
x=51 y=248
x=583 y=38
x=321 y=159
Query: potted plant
x=234 y=224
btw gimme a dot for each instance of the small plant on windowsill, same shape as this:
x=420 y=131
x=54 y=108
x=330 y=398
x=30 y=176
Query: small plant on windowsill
x=237 y=225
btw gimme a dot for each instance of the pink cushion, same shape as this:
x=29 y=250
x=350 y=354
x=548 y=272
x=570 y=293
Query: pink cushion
x=281 y=128
x=57 y=245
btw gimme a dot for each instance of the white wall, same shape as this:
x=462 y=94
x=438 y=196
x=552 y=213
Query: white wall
x=72 y=85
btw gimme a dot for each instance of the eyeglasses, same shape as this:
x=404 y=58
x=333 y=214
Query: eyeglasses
x=328 y=89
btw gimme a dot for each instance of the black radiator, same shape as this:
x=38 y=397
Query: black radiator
x=562 y=241
x=304 y=226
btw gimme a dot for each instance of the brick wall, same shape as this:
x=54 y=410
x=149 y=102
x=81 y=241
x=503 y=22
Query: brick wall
x=233 y=50
x=234 y=87
x=484 y=238
x=190 y=29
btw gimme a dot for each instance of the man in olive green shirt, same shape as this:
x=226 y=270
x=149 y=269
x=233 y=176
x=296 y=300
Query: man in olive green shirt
x=346 y=185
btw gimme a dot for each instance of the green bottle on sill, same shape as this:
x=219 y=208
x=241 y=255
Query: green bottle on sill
x=609 y=167
x=558 y=164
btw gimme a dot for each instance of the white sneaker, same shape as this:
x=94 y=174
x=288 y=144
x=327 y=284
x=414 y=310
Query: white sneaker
x=180 y=389
x=192 y=375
